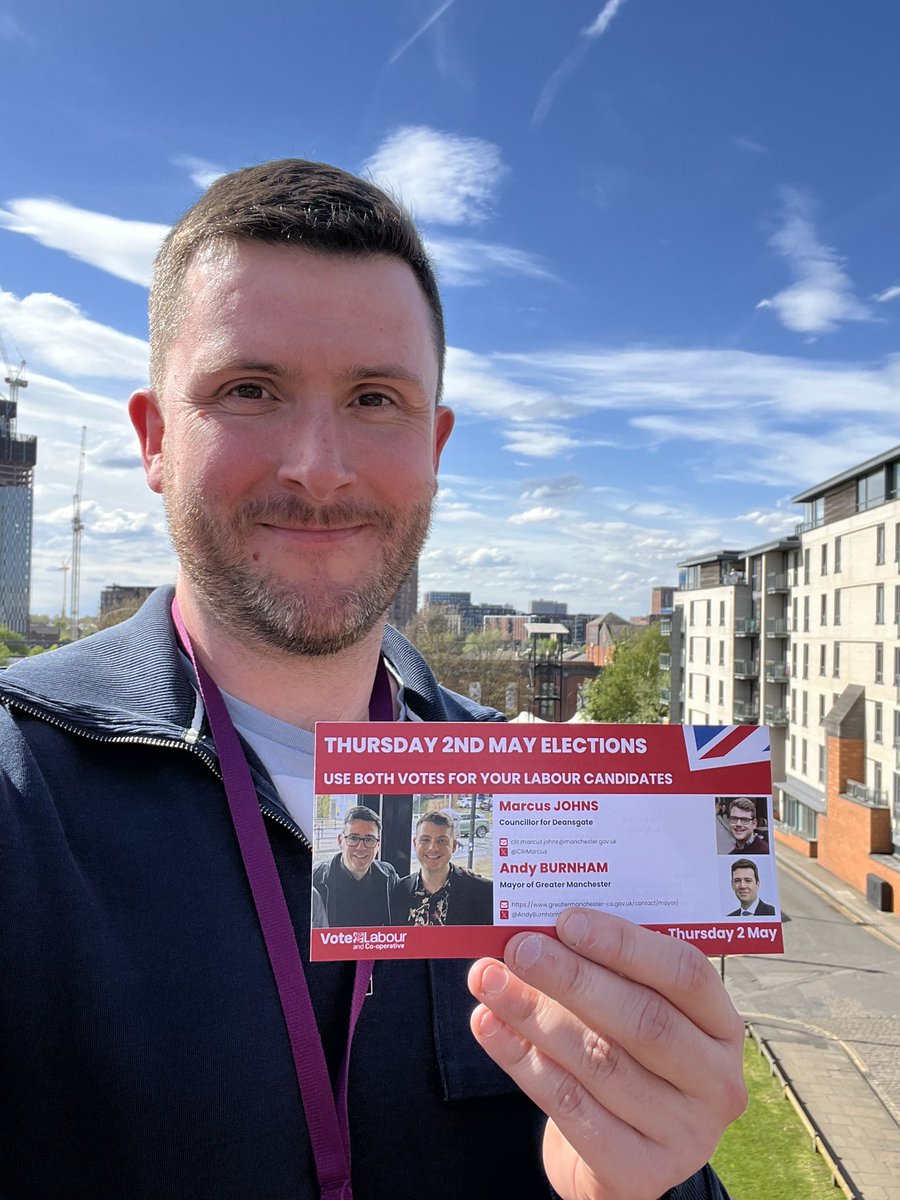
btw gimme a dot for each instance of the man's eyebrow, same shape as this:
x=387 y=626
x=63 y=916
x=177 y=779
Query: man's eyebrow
x=383 y=371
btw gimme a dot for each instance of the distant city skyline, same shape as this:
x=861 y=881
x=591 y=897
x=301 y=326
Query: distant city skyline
x=667 y=243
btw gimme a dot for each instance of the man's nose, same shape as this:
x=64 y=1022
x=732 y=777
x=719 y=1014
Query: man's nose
x=316 y=455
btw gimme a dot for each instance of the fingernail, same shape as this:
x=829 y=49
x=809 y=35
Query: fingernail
x=494 y=980
x=528 y=951
x=574 y=926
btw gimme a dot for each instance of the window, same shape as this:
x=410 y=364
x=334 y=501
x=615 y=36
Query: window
x=721 y=654
x=897 y=604
x=896 y=795
x=879 y=603
x=836 y=660
x=804 y=721
x=879 y=545
x=897 y=666
x=708 y=651
x=824 y=558
x=691 y=621
x=806 y=614
x=876 y=779
x=794 y=661
x=823 y=659
x=690 y=687
x=870 y=490
x=721 y=612
x=706 y=692
x=814 y=512
x=878 y=723
x=837 y=554
x=821 y=764
x=793 y=753
x=896 y=728
x=794 y=624
x=806 y=661
x=836 y=607
x=804 y=761
x=793 y=708
x=823 y=610
x=709 y=612
x=821 y=710
x=721 y=693
x=879 y=662
x=806 y=566
x=897 y=542
x=690 y=649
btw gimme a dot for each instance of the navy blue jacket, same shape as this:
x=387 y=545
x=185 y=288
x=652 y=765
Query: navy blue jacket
x=143 y=1054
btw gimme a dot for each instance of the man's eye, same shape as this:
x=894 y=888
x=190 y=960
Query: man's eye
x=250 y=391
x=373 y=400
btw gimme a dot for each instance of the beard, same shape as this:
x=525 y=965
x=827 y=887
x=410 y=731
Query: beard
x=301 y=617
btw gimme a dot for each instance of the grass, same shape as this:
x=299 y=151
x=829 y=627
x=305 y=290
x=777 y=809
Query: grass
x=767 y=1154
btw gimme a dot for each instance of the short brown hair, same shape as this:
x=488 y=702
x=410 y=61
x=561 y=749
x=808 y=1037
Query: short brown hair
x=292 y=202
x=360 y=812
x=743 y=804
x=444 y=820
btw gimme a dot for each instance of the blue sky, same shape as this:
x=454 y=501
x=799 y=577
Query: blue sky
x=668 y=233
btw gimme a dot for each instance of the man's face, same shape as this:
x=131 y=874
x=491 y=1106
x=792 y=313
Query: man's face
x=745 y=886
x=296 y=440
x=434 y=846
x=743 y=825
x=355 y=854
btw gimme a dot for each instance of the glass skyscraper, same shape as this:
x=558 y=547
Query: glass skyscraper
x=18 y=455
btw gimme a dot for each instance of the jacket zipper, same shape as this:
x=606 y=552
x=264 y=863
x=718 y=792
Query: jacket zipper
x=165 y=743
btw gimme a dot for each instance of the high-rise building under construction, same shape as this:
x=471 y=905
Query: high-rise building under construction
x=18 y=455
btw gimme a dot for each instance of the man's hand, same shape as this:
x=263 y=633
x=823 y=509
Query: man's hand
x=626 y=1039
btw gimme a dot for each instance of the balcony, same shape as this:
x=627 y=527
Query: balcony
x=777 y=627
x=865 y=795
x=746 y=626
x=777 y=581
x=733 y=578
x=665 y=626
x=777 y=672
x=775 y=715
x=665 y=695
x=665 y=662
x=746 y=712
x=746 y=668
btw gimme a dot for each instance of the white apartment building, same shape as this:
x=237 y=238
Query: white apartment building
x=803 y=634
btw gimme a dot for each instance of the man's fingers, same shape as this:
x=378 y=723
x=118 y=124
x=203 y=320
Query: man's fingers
x=670 y=967
x=635 y=1016
x=604 y=1070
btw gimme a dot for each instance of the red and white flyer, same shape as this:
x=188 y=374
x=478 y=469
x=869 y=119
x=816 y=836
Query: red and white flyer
x=443 y=840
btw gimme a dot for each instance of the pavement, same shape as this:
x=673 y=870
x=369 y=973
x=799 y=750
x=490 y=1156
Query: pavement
x=852 y=1118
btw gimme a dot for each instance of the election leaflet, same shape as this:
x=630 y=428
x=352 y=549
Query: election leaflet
x=442 y=840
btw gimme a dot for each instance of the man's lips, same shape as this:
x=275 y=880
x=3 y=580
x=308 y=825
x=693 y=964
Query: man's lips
x=314 y=534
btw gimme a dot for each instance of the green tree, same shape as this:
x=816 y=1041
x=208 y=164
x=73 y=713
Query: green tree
x=489 y=660
x=433 y=633
x=14 y=642
x=627 y=690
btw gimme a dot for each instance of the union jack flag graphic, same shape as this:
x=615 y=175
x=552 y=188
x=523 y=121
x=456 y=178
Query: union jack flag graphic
x=725 y=745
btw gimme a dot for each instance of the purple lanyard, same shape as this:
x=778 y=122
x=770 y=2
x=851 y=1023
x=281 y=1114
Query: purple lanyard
x=325 y=1110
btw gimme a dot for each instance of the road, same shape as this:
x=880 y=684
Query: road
x=836 y=980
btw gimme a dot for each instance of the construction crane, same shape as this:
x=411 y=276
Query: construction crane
x=64 y=567
x=77 y=530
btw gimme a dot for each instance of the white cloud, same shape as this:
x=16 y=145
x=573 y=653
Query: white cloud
x=601 y=22
x=54 y=333
x=123 y=248
x=822 y=296
x=888 y=294
x=440 y=177
x=202 y=172
x=545 y=489
x=423 y=28
x=535 y=516
x=462 y=262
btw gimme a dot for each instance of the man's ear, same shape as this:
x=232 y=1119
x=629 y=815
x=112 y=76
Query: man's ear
x=443 y=427
x=147 y=418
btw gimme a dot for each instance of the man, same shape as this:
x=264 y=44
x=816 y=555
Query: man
x=742 y=821
x=745 y=885
x=439 y=894
x=355 y=886
x=151 y=1044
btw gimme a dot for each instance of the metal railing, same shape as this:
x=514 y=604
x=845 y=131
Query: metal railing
x=875 y=797
x=777 y=627
x=746 y=626
x=777 y=672
x=775 y=716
